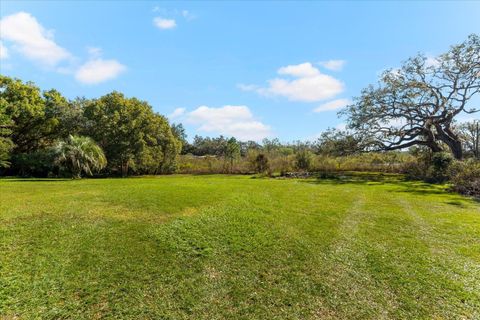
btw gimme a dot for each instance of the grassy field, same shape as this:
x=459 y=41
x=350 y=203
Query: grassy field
x=235 y=247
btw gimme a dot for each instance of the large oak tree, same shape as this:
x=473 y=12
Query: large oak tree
x=418 y=103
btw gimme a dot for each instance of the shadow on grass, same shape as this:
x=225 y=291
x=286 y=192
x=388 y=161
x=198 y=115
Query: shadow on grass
x=35 y=179
x=361 y=178
x=457 y=203
x=398 y=183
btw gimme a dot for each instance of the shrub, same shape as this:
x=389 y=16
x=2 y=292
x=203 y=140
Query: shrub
x=261 y=163
x=438 y=170
x=433 y=168
x=304 y=160
x=39 y=163
x=415 y=170
x=326 y=164
x=465 y=177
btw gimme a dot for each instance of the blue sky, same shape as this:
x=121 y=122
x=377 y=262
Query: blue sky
x=249 y=69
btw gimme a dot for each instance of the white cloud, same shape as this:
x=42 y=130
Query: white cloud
x=308 y=85
x=333 y=105
x=99 y=70
x=32 y=39
x=302 y=70
x=237 y=121
x=334 y=65
x=177 y=113
x=3 y=51
x=305 y=89
x=164 y=23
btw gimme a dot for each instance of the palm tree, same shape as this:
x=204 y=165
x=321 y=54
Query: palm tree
x=80 y=154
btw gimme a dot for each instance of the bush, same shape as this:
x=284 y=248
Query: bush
x=438 y=170
x=465 y=177
x=304 y=160
x=39 y=163
x=433 y=168
x=261 y=163
x=415 y=170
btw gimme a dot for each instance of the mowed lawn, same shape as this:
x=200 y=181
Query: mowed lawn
x=235 y=247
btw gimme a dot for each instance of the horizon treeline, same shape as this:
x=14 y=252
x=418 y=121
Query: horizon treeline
x=137 y=140
x=134 y=138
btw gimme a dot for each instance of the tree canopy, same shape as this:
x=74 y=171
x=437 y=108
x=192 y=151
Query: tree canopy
x=131 y=134
x=336 y=142
x=418 y=103
x=134 y=138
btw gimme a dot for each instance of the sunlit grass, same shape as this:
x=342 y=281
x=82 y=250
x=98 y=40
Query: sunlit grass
x=233 y=247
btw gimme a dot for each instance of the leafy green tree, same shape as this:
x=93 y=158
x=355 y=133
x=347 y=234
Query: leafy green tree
x=31 y=122
x=117 y=124
x=418 y=103
x=202 y=146
x=133 y=137
x=335 y=142
x=162 y=146
x=24 y=105
x=64 y=117
x=37 y=119
x=80 y=155
x=6 y=144
x=179 y=133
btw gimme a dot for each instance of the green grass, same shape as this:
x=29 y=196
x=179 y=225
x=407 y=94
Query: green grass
x=233 y=247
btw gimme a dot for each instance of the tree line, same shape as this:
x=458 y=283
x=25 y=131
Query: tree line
x=34 y=125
